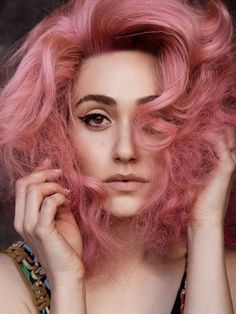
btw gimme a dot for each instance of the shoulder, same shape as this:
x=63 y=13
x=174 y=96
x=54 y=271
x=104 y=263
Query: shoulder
x=230 y=260
x=14 y=295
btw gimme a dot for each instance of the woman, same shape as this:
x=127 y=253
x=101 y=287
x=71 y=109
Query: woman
x=118 y=133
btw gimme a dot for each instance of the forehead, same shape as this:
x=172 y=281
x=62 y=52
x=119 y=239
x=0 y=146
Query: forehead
x=120 y=74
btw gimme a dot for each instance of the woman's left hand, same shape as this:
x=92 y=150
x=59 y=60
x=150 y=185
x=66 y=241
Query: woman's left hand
x=211 y=204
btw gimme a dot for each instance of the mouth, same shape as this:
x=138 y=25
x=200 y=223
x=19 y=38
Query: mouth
x=125 y=183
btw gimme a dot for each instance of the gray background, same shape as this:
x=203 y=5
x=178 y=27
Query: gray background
x=17 y=17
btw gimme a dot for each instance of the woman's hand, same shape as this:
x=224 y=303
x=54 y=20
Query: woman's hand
x=44 y=220
x=212 y=201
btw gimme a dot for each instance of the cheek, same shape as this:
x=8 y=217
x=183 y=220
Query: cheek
x=93 y=155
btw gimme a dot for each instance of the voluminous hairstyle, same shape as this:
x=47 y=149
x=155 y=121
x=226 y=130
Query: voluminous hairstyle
x=195 y=63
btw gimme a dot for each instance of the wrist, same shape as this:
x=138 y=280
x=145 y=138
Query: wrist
x=69 y=297
x=207 y=234
x=75 y=278
x=62 y=285
x=67 y=284
x=200 y=226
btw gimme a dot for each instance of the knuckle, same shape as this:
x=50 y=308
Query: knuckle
x=230 y=167
x=227 y=165
x=28 y=230
x=48 y=201
x=33 y=188
x=62 y=198
x=57 y=186
x=52 y=186
x=37 y=175
x=20 y=183
x=54 y=199
x=39 y=231
x=18 y=227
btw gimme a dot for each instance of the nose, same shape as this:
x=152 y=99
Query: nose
x=125 y=149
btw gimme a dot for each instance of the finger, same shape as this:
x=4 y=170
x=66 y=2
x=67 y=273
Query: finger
x=35 y=195
x=225 y=161
x=230 y=137
x=21 y=188
x=48 y=212
x=43 y=165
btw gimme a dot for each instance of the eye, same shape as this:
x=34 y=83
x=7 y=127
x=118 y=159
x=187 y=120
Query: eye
x=95 y=120
x=151 y=131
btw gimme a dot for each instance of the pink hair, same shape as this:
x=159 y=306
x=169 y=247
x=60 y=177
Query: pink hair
x=195 y=61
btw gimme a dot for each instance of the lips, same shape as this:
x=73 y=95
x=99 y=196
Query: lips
x=125 y=183
x=127 y=177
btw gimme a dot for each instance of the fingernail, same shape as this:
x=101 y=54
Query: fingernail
x=68 y=191
x=46 y=161
x=57 y=170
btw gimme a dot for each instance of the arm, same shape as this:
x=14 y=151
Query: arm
x=231 y=271
x=44 y=220
x=208 y=288
x=69 y=298
x=15 y=298
x=207 y=283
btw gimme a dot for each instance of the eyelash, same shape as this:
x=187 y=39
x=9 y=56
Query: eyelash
x=87 y=118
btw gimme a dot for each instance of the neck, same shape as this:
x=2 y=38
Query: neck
x=134 y=256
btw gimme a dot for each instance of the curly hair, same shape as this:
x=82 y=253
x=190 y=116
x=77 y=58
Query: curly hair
x=193 y=44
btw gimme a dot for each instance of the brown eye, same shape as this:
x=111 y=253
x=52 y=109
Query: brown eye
x=95 y=120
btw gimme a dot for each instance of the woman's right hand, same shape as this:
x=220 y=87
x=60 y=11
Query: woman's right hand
x=44 y=220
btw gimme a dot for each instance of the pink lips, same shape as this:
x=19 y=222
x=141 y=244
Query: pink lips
x=125 y=183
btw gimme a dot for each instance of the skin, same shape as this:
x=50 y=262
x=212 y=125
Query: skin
x=110 y=137
x=54 y=236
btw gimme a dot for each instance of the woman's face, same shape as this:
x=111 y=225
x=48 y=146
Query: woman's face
x=110 y=87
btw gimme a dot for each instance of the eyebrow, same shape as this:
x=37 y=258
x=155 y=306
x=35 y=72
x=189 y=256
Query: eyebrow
x=107 y=100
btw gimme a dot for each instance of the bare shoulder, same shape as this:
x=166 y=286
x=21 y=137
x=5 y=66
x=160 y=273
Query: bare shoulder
x=230 y=259
x=14 y=294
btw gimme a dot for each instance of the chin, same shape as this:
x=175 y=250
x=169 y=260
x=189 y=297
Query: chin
x=123 y=206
